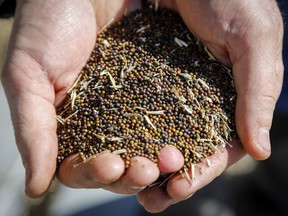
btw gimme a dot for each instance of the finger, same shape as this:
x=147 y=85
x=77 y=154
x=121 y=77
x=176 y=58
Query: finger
x=33 y=116
x=154 y=199
x=258 y=71
x=170 y=160
x=97 y=171
x=106 y=170
x=180 y=187
x=143 y=172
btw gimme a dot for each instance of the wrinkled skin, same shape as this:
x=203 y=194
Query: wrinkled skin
x=51 y=42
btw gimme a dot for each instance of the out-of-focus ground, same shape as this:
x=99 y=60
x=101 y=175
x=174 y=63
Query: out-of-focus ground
x=247 y=188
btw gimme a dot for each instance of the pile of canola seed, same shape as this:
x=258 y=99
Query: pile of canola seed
x=148 y=83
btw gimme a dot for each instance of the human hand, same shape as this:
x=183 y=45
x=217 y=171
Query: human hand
x=36 y=80
x=50 y=44
x=246 y=35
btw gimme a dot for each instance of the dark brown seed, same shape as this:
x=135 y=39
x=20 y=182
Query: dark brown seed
x=148 y=83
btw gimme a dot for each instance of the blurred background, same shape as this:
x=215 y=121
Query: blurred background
x=247 y=188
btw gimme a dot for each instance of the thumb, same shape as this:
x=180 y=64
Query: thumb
x=256 y=55
x=30 y=98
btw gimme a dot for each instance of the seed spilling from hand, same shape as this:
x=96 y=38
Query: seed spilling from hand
x=148 y=83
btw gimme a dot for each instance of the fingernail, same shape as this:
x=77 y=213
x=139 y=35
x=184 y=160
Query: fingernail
x=263 y=140
x=136 y=188
x=189 y=196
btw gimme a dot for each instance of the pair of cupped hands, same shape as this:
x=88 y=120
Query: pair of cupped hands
x=50 y=43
